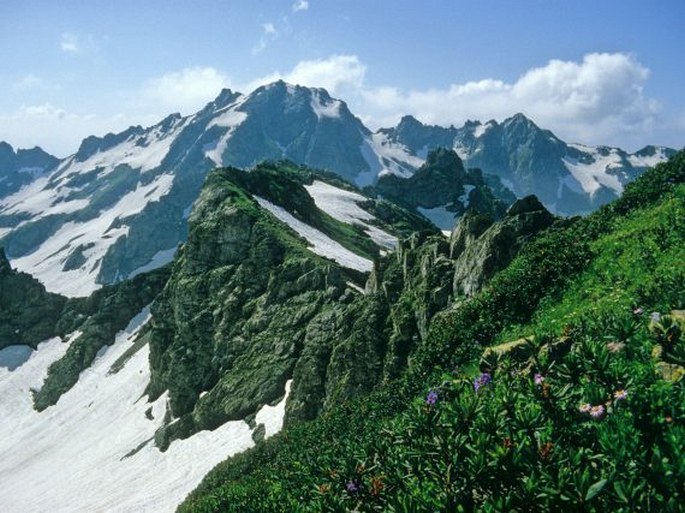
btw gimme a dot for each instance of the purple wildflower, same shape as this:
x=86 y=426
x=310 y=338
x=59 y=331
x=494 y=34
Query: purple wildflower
x=353 y=487
x=431 y=398
x=538 y=378
x=597 y=412
x=585 y=408
x=620 y=395
x=481 y=381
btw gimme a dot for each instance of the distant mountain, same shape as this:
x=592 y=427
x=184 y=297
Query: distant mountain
x=119 y=205
x=568 y=178
x=22 y=167
x=443 y=190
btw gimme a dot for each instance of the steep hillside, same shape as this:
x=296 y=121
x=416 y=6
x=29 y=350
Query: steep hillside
x=584 y=413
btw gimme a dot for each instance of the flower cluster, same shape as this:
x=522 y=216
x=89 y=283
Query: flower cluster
x=482 y=380
x=599 y=411
x=431 y=398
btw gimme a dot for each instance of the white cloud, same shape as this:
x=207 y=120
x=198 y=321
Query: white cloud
x=54 y=128
x=337 y=73
x=269 y=34
x=300 y=5
x=598 y=100
x=28 y=82
x=186 y=90
x=70 y=43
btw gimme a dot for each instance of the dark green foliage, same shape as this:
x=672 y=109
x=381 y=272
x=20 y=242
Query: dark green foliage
x=521 y=442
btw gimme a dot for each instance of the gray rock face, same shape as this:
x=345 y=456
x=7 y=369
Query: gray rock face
x=480 y=248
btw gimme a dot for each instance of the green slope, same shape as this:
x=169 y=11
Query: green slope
x=582 y=293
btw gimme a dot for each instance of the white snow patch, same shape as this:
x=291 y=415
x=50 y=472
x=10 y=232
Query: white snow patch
x=356 y=287
x=323 y=109
x=230 y=119
x=159 y=259
x=46 y=262
x=35 y=198
x=481 y=129
x=142 y=151
x=593 y=175
x=462 y=151
x=373 y=162
x=73 y=456
x=344 y=206
x=394 y=157
x=648 y=160
x=272 y=416
x=321 y=244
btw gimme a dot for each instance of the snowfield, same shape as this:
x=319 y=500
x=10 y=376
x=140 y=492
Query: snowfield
x=321 y=244
x=79 y=455
x=344 y=206
x=97 y=234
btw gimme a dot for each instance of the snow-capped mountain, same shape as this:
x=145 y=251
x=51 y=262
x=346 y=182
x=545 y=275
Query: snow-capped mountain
x=119 y=205
x=22 y=167
x=568 y=178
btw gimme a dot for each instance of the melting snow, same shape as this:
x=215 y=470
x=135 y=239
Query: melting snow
x=325 y=110
x=593 y=175
x=344 y=206
x=393 y=155
x=46 y=262
x=77 y=455
x=230 y=119
x=321 y=244
x=159 y=259
x=481 y=129
x=648 y=160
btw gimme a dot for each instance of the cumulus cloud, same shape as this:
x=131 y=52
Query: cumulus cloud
x=337 y=73
x=600 y=98
x=300 y=5
x=186 y=90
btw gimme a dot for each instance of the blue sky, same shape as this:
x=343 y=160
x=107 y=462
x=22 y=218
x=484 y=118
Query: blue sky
x=596 y=72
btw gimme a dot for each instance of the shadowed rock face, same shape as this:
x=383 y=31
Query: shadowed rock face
x=481 y=248
x=28 y=314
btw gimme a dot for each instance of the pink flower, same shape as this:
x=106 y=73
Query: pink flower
x=620 y=395
x=639 y=310
x=585 y=408
x=597 y=412
x=538 y=378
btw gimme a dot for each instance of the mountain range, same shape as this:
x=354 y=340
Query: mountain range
x=119 y=205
